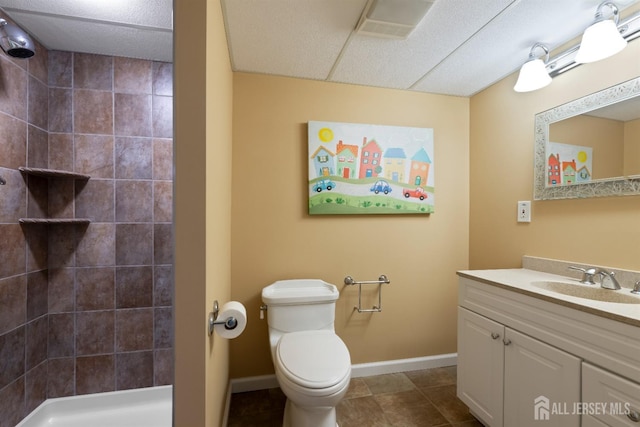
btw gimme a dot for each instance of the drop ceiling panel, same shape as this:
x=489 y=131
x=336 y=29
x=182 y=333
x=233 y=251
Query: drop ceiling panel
x=460 y=48
x=60 y=33
x=300 y=38
x=150 y=13
x=401 y=63
x=621 y=111
x=503 y=45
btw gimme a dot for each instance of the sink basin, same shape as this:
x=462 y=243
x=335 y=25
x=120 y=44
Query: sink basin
x=592 y=292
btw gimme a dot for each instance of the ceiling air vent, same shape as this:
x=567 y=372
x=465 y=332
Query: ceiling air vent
x=392 y=18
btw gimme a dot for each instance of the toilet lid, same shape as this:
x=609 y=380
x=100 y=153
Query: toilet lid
x=313 y=359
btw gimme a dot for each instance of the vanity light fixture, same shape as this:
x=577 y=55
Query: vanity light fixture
x=628 y=30
x=602 y=39
x=533 y=74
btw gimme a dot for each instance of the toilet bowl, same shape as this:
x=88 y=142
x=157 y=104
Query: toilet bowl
x=313 y=369
x=312 y=364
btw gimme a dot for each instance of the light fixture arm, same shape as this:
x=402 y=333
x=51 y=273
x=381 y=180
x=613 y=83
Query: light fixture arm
x=532 y=54
x=614 y=10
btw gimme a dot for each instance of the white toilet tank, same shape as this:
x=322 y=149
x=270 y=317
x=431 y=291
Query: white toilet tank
x=300 y=305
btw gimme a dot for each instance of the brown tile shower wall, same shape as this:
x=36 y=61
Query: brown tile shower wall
x=113 y=329
x=85 y=309
x=23 y=263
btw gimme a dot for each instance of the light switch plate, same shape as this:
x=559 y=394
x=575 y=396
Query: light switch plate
x=524 y=211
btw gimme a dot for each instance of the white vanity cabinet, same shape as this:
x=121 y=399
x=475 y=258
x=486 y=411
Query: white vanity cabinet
x=535 y=370
x=521 y=357
x=481 y=365
x=502 y=373
x=618 y=397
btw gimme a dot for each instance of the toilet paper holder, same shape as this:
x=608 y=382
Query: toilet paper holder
x=229 y=323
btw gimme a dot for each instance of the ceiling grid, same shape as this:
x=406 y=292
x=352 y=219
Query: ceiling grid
x=459 y=48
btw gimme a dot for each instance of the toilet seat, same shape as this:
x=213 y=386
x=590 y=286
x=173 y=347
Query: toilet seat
x=315 y=360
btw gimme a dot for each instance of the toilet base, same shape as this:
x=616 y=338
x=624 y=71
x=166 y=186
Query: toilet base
x=296 y=416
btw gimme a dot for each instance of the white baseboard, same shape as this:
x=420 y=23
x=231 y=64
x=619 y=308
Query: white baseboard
x=403 y=365
x=262 y=382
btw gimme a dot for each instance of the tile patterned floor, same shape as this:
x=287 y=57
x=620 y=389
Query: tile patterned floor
x=417 y=398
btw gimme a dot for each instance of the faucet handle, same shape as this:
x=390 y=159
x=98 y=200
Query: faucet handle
x=636 y=288
x=608 y=279
x=587 y=274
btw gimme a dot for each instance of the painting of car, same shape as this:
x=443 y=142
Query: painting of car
x=417 y=193
x=324 y=184
x=381 y=186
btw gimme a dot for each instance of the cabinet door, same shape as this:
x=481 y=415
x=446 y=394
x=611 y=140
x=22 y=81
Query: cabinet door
x=589 y=421
x=610 y=398
x=540 y=383
x=480 y=366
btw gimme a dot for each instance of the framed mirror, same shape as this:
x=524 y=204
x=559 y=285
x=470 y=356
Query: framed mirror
x=589 y=147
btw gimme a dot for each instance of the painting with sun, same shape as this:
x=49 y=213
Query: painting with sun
x=370 y=169
x=568 y=164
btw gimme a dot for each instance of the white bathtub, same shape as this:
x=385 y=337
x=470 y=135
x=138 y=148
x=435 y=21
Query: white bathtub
x=145 y=407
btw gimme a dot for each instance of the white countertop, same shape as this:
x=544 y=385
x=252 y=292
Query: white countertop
x=520 y=280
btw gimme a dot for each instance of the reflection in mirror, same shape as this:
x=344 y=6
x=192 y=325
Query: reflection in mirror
x=590 y=147
x=612 y=133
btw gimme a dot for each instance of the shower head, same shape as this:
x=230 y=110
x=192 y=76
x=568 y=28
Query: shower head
x=14 y=41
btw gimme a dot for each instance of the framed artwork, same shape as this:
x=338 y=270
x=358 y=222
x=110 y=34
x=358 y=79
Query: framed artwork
x=370 y=169
x=568 y=164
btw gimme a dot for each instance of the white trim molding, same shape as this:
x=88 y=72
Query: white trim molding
x=262 y=382
x=403 y=365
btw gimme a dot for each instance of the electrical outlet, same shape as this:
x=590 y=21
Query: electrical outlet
x=524 y=211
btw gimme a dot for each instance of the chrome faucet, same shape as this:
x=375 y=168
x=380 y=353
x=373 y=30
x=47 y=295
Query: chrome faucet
x=608 y=280
x=587 y=274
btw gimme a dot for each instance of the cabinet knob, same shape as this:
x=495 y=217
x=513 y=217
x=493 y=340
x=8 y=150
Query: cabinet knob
x=634 y=416
x=506 y=341
x=495 y=335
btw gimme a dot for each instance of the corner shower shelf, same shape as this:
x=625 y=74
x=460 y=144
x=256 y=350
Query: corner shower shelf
x=54 y=221
x=53 y=173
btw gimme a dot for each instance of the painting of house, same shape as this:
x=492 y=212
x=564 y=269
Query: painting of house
x=370 y=159
x=394 y=164
x=419 y=170
x=583 y=175
x=553 y=169
x=578 y=169
x=370 y=169
x=323 y=162
x=568 y=172
x=347 y=159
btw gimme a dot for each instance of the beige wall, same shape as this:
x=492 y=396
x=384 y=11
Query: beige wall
x=275 y=238
x=218 y=196
x=203 y=87
x=605 y=136
x=601 y=231
x=632 y=147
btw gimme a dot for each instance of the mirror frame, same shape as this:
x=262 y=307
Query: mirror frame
x=618 y=186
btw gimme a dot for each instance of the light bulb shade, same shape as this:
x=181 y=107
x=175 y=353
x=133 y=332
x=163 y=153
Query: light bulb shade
x=533 y=75
x=599 y=41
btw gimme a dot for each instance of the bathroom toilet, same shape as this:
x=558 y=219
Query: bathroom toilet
x=312 y=363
